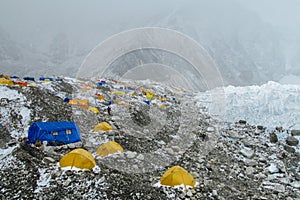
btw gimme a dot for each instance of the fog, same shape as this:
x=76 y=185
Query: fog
x=281 y=14
x=33 y=33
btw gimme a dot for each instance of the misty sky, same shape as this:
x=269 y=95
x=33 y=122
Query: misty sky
x=24 y=20
x=278 y=12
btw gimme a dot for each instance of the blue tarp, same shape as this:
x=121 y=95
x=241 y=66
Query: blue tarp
x=67 y=100
x=130 y=88
x=101 y=83
x=43 y=79
x=55 y=133
x=59 y=79
x=14 y=77
x=147 y=102
x=28 y=78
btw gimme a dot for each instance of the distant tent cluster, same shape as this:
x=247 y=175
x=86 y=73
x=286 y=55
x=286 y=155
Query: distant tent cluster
x=23 y=82
x=48 y=79
x=61 y=133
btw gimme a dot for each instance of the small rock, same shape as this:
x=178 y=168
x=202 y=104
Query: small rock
x=260 y=127
x=210 y=129
x=273 y=138
x=260 y=176
x=250 y=162
x=189 y=193
x=96 y=170
x=67 y=182
x=233 y=134
x=140 y=157
x=207 y=182
x=169 y=151
x=289 y=149
x=248 y=143
x=215 y=193
x=71 y=146
x=262 y=160
x=249 y=170
x=281 y=166
x=49 y=159
x=130 y=154
x=272 y=168
x=292 y=141
x=295 y=132
x=242 y=121
x=247 y=152
x=279 y=188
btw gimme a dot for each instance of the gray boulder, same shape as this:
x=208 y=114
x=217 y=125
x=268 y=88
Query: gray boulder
x=295 y=132
x=292 y=141
x=273 y=138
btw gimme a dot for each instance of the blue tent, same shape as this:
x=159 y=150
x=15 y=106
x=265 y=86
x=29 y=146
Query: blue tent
x=131 y=88
x=55 y=133
x=67 y=99
x=101 y=83
x=28 y=78
x=147 y=102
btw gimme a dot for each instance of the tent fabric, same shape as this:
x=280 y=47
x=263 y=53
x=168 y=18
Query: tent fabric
x=99 y=96
x=103 y=126
x=147 y=102
x=120 y=93
x=177 y=175
x=149 y=95
x=79 y=158
x=4 y=81
x=108 y=148
x=46 y=79
x=85 y=89
x=94 y=110
x=55 y=133
x=67 y=99
x=21 y=83
x=28 y=78
x=84 y=104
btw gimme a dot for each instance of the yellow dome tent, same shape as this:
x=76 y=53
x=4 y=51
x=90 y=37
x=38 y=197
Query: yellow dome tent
x=94 y=110
x=79 y=158
x=103 y=126
x=4 y=81
x=176 y=176
x=108 y=148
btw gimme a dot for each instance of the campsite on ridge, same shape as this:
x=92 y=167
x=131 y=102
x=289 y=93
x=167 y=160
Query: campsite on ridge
x=157 y=139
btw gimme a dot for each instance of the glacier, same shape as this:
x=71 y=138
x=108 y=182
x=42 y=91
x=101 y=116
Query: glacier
x=270 y=105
